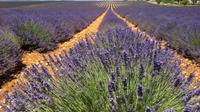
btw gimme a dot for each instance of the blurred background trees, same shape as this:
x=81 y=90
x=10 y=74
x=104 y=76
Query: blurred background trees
x=179 y=2
x=176 y=2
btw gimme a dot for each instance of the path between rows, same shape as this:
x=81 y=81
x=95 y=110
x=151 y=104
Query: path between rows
x=187 y=66
x=35 y=57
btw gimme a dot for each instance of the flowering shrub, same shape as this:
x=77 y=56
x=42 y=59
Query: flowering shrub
x=121 y=72
x=31 y=36
x=10 y=55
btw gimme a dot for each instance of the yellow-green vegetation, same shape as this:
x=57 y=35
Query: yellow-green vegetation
x=175 y=2
x=196 y=42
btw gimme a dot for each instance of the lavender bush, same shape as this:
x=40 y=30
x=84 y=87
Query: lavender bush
x=120 y=72
x=111 y=21
x=178 y=25
x=32 y=36
x=10 y=54
x=40 y=28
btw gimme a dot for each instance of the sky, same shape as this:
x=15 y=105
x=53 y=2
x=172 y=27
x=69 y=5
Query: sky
x=32 y=0
x=45 y=0
x=49 y=0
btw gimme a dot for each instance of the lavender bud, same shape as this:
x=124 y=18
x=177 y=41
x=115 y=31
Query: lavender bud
x=156 y=67
x=111 y=100
x=187 y=98
x=147 y=109
x=104 y=57
x=113 y=76
x=124 y=82
x=118 y=70
x=46 y=72
x=187 y=109
x=46 y=85
x=178 y=82
x=140 y=90
x=141 y=74
x=196 y=92
x=112 y=86
x=190 y=78
x=110 y=90
x=170 y=110
x=126 y=59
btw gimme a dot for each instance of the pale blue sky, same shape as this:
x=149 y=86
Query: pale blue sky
x=51 y=0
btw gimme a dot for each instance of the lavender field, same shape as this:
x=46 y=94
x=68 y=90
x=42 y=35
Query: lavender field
x=99 y=57
x=180 y=26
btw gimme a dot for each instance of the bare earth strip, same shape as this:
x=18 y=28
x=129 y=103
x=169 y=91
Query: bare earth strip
x=36 y=57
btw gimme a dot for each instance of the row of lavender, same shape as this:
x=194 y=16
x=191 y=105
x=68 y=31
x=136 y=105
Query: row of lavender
x=111 y=21
x=178 y=25
x=120 y=72
x=40 y=28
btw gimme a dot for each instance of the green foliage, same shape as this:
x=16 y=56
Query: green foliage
x=176 y=2
x=32 y=36
x=185 y=2
x=167 y=1
x=35 y=30
x=158 y=1
x=13 y=38
x=8 y=40
x=4 y=52
x=196 y=41
x=89 y=93
x=194 y=1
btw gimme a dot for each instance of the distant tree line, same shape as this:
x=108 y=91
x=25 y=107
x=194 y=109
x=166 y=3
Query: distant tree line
x=183 y=2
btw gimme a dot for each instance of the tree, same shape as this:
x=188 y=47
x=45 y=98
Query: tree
x=178 y=1
x=158 y=1
x=194 y=1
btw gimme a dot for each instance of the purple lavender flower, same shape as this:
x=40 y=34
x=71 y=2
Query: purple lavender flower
x=113 y=76
x=140 y=90
x=112 y=86
x=190 y=78
x=124 y=82
x=126 y=59
x=187 y=97
x=118 y=70
x=156 y=67
x=104 y=56
x=187 y=109
x=148 y=109
x=141 y=74
x=170 y=110
x=196 y=92
x=164 y=23
x=178 y=81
